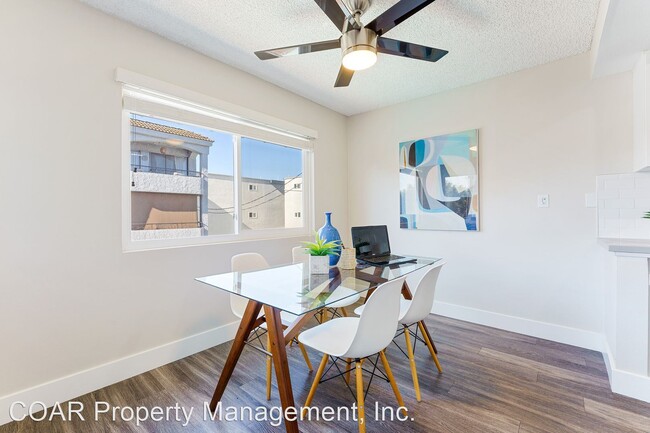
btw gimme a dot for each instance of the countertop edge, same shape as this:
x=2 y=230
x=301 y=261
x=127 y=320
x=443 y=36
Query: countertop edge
x=629 y=246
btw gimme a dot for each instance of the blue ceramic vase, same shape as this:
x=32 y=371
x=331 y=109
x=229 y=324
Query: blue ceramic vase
x=330 y=234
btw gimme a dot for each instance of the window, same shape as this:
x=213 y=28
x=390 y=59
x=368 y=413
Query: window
x=272 y=169
x=136 y=160
x=168 y=164
x=191 y=180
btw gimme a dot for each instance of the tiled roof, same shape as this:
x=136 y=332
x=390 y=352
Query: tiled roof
x=169 y=130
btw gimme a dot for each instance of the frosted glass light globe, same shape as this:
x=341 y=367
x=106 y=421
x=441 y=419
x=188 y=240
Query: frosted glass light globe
x=359 y=59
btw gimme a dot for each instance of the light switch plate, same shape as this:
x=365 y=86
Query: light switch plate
x=542 y=200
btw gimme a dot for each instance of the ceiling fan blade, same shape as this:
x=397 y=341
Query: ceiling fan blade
x=344 y=77
x=396 y=14
x=298 y=49
x=338 y=13
x=408 y=49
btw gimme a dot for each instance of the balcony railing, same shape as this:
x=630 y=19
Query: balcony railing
x=164 y=170
x=150 y=181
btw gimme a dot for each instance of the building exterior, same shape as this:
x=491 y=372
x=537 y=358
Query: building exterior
x=293 y=210
x=174 y=196
x=168 y=192
x=266 y=204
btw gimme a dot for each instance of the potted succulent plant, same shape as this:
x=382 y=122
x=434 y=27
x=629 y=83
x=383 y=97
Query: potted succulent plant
x=319 y=252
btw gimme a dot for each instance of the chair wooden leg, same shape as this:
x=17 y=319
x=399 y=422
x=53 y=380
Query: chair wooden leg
x=414 y=372
x=343 y=312
x=314 y=385
x=391 y=379
x=306 y=356
x=360 y=402
x=348 y=364
x=430 y=346
x=269 y=367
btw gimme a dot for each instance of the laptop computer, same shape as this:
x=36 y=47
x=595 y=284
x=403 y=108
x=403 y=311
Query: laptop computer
x=373 y=246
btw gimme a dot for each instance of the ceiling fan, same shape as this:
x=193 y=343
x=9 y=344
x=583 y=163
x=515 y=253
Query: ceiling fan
x=359 y=44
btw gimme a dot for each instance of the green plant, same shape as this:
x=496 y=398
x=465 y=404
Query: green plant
x=321 y=248
x=646 y=215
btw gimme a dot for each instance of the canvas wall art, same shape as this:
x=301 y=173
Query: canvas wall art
x=439 y=182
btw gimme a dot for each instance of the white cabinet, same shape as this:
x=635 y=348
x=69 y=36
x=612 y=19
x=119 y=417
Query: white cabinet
x=631 y=353
x=641 y=107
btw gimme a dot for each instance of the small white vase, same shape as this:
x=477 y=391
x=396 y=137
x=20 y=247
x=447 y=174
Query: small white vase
x=348 y=258
x=319 y=264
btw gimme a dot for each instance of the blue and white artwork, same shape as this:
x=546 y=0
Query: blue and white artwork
x=439 y=182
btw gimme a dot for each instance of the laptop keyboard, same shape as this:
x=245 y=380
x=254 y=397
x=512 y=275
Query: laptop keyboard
x=383 y=259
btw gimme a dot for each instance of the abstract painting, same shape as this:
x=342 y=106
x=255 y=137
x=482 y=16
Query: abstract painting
x=439 y=182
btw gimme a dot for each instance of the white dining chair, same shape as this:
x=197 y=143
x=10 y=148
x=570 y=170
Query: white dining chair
x=358 y=338
x=299 y=255
x=412 y=313
x=250 y=262
x=348 y=296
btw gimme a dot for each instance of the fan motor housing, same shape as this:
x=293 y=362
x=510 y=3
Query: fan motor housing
x=362 y=39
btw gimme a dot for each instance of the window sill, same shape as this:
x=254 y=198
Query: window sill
x=130 y=246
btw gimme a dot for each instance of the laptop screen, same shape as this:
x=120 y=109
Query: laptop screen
x=370 y=241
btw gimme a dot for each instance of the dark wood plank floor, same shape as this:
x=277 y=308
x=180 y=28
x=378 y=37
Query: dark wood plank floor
x=493 y=381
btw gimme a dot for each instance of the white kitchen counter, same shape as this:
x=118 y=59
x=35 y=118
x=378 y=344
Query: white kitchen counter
x=631 y=246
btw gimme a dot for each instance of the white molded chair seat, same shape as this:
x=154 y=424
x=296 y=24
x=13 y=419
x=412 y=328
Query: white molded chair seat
x=333 y=337
x=413 y=312
x=356 y=338
x=404 y=305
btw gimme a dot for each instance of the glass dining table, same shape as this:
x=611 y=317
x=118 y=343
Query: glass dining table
x=293 y=289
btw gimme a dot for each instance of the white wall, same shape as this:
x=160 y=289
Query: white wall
x=551 y=130
x=70 y=298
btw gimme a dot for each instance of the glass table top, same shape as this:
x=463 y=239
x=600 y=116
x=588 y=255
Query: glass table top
x=293 y=289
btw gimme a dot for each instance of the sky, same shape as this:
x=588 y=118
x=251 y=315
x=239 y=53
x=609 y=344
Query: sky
x=258 y=160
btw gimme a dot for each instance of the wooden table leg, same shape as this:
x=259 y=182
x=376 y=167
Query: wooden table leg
x=293 y=329
x=406 y=293
x=278 y=349
x=245 y=328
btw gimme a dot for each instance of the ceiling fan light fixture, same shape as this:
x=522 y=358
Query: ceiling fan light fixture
x=359 y=60
x=359 y=49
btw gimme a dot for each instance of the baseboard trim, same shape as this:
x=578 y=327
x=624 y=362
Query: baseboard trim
x=621 y=382
x=624 y=382
x=77 y=384
x=548 y=331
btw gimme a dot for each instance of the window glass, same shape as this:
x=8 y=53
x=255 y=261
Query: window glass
x=273 y=170
x=168 y=200
x=183 y=182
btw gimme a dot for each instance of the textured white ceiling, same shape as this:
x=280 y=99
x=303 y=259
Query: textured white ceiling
x=485 y=39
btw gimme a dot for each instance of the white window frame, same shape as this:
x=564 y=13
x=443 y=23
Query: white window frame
x=246 y=123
